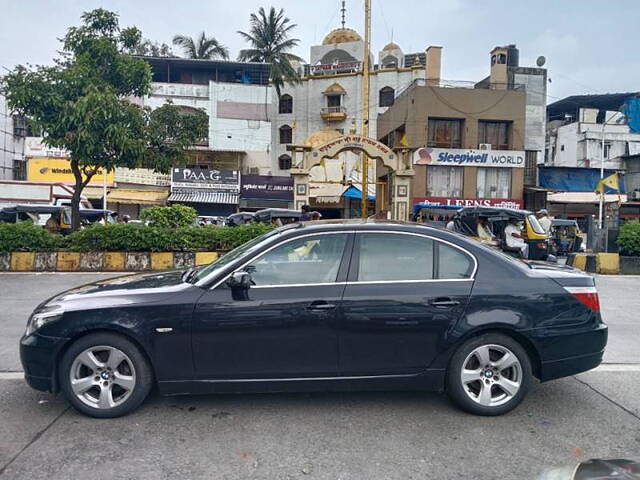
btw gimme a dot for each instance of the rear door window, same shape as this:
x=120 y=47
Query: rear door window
x=453 y=263
x=394 y=257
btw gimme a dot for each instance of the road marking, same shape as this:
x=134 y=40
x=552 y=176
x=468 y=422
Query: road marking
x=11 y=375
x=618 y=367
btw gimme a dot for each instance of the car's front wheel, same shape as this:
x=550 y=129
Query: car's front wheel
x=489 y=375
x=104 y=375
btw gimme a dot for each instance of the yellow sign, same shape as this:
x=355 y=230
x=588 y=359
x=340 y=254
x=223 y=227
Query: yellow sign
x=59 y=170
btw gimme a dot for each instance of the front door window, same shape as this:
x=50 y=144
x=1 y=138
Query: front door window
x=306 y=260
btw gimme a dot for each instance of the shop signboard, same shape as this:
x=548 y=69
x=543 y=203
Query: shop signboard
x=59 y=170
x=267 y=187
x=206 y=178
x=458 y=157
x=472 y=202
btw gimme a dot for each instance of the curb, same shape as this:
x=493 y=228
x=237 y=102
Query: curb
x=101 y=261
x=604 y=263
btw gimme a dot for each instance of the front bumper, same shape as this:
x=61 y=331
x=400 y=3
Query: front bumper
x=38 y=354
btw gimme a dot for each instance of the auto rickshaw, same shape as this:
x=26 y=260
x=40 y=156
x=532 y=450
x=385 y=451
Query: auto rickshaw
x=277 y=216
x=434 y=215
x=240 y=218
x=566 y=236
x=40 y=214
x=466 y=223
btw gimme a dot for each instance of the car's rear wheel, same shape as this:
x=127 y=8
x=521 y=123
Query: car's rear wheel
x=489 y=375
x=104 y=375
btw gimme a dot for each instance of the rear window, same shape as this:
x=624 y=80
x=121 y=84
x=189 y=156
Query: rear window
x=453 y=263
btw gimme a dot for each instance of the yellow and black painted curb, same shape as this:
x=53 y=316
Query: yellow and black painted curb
x=63 y=261
x=606 y=263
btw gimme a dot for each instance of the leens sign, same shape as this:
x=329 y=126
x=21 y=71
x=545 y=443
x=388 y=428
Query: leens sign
x=472 y=202
x=456 y=157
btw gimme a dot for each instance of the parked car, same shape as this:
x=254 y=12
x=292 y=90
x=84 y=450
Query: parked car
x=329 y=305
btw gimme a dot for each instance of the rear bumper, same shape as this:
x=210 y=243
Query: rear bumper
x=587 y=348
x=38 y=355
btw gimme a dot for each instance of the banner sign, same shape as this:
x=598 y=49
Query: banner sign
x=206 y=178
x=59 y=170
x=457 y=157
x=267 y=187
x=472 y=202
x=335 y=67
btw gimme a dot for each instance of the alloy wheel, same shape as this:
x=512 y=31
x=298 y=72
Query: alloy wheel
x=102 y=377
x=491 y=375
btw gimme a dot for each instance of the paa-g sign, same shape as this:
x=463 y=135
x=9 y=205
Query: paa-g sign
x=456 y=157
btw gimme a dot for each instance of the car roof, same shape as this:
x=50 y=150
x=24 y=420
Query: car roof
x=356 y=224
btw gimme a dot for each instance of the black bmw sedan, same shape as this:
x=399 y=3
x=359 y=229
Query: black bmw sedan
x=322 y=306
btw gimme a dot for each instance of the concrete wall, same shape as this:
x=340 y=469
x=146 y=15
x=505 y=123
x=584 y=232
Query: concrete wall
x=534 y=81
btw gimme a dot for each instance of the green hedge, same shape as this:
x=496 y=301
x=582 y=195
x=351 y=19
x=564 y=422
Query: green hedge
x=128 y=238
x=25 y=236
x=629 y=238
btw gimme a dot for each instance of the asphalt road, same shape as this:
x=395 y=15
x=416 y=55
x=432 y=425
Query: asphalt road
x=332 y=436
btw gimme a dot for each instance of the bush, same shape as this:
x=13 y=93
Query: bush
x=140 y=238
x=25 y=236
x=629 y=238
x=175 y=216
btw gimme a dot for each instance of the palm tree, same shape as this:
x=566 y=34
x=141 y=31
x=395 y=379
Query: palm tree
x=270 y=43
x=203 y=47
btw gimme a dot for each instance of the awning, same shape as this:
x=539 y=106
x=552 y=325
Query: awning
x=355 y=192
x=204 y=197
x=95 y=192
x=584 y=197
x=142 y=197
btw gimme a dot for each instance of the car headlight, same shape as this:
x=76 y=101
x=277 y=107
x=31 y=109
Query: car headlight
x=42 y=317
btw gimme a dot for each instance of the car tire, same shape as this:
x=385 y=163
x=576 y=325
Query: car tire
x=489 y=375
x=104 y=375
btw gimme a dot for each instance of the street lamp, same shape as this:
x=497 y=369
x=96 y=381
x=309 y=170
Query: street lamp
x=601 y=209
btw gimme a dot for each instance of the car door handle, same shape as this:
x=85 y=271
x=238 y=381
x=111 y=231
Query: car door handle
x=321 y=305
x=443 y=302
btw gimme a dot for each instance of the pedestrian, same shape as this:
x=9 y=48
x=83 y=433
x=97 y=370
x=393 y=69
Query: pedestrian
x=53 y=223
x=544 y=220
x=515 y=239
x=306 y=213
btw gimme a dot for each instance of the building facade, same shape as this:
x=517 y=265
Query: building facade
x=13 y=130
x=328 y=102
x=469 y=140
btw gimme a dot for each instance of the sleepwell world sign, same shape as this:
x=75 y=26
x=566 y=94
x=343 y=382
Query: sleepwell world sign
x=457 y=157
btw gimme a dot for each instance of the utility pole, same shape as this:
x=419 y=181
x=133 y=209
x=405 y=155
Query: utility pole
x=365 y=106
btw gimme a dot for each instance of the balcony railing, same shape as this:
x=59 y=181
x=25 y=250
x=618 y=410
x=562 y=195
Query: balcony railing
x=339 y=109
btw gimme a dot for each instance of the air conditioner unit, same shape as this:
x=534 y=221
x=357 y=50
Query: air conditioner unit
x=635 y=194
x=484 y=146
x=254 y=171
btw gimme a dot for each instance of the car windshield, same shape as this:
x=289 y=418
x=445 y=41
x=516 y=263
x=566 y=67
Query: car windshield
x=233 y=255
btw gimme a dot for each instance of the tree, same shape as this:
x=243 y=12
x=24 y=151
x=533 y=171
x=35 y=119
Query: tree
x=270 y=43
x=203 y=47
x=83 y=105
x=149 y=48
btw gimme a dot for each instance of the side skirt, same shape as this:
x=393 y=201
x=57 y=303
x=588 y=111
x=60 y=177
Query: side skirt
x=430 y=380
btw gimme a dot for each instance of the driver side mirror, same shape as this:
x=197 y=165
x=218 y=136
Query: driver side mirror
x=239 y=280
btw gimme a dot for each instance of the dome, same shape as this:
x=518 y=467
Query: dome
x=341 y=35
x=391 y=46
x=321 y=136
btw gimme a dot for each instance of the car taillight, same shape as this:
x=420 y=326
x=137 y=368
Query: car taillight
x=587 y=295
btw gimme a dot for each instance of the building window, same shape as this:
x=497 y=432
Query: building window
x=494 y=133
x=607 y=149
x=334 y=100
x=444 y=133
x=286 y=134
x=530 y=167
x=444 y=181
x=493 y=183
x=19 y=170
x=386 y=97
x=286 y=104
x=284 y=162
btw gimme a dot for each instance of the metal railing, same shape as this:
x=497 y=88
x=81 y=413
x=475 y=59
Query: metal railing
x=339 y=109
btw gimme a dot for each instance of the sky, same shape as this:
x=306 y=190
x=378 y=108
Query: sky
x=588 y=44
